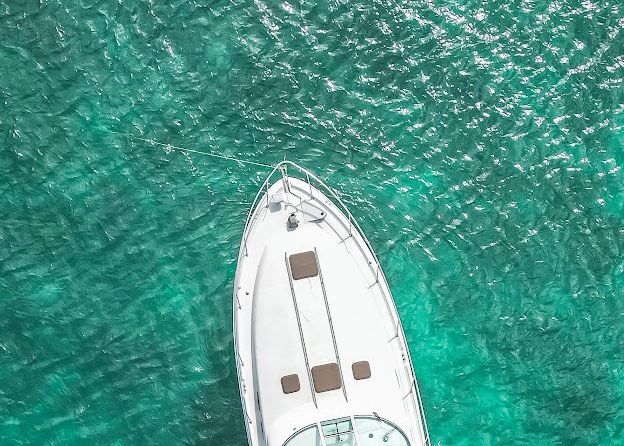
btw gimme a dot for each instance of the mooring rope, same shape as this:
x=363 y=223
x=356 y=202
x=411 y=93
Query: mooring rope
x=199 y=152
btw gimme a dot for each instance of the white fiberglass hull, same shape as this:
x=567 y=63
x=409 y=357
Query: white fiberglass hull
x=317 y=334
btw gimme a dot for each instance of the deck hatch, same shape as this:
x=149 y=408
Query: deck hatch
x=303 y=265
x=326 y=377
x=361 y=370
x=291 y=384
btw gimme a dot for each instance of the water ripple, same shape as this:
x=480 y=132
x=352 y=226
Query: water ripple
x=479 y=145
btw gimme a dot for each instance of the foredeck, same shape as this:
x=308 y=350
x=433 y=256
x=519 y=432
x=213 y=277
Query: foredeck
x=313 y=313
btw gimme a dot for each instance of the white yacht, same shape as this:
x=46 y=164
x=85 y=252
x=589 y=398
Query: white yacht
x=321 y=355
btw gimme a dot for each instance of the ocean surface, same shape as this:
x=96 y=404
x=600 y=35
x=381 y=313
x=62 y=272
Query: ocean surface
x=479 y=144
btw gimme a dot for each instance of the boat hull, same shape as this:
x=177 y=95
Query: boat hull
x=310 y=293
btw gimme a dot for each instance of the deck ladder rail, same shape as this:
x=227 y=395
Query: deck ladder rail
x=301 y=338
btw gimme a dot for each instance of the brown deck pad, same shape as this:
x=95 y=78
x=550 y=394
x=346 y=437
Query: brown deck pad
x=361 y=370
x=326 y=377
x=290 y=383
x=303 y=265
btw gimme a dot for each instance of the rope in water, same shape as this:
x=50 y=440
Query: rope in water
x=182 y=149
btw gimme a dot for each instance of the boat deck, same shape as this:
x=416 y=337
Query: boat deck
x=317 y=336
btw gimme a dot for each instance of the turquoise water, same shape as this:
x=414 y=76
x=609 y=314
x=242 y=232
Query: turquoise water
x=479 y=144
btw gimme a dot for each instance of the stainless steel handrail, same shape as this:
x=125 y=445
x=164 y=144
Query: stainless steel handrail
x=301 y=337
